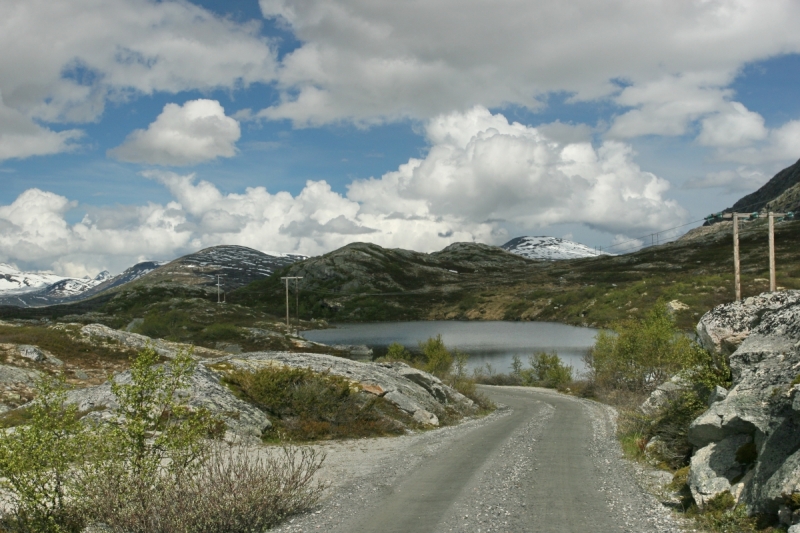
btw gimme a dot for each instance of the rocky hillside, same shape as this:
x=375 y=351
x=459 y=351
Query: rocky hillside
x=748 y=442
x=549 y=249
x=780 y=194
x=420 y=398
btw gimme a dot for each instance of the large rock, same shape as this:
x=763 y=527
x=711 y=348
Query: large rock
x=715 y=467
x=423 y=396
x=723 y=329
x=663 y=395
x=761 y=403
x=409 y=389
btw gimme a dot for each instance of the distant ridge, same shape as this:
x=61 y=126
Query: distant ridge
x=781 y=193
x=549 y=248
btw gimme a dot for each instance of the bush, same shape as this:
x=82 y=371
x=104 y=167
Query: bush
x=638 y=355
x=35 y=461
x=152 y=470
x=548 y=371
x=307 y=405
x=236 y=491
x=438 y=358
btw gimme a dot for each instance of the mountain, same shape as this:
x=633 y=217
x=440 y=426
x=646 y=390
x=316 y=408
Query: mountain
x=779 y=194
x=236 y=266
x=14 y=281
x=61 y=291
x=549 y=248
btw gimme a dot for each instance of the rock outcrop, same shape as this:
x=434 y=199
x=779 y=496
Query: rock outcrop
x=748 y=442
x=422 y=396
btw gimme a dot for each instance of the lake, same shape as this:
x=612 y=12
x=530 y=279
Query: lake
x=493 y=342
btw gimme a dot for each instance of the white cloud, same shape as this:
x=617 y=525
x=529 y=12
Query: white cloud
x=193 y=133
x=63 y=60
x=743 y=179
x=731 y=127
x=21 y=137
x=480 y=173
x=377 y=60
x=779 y=145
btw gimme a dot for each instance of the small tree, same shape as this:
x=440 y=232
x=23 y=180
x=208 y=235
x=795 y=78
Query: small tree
x=156 y=443
x=35 y=460
x=638 y=355
x=439 y=358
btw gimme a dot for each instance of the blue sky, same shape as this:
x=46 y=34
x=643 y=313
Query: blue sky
x=134 y=129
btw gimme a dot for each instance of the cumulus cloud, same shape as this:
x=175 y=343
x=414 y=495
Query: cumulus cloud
x=480 y=174
x=62 y=61
x=740 y=180
x=379 y=60
x=195 y=132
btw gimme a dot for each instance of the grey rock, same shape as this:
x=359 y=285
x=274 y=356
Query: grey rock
x=717 y=395
x=662 y=395
x=424 y=417
x=37 y=355
x=723 y=329
x=80 y=374
x=714 y=467
x=12 y=374
x=205 y=390
x=406 y=387
x=762 y=403
x=137 y=341
x=794 y=529
x=356 y=351
x=31 y=352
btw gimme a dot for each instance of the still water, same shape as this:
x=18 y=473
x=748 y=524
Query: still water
x=495 y=343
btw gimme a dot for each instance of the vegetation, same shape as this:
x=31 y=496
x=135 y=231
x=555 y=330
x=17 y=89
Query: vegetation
x=626 y=364
x=152 y=470
x=544 y=370
x=306 y=405
x=449 y=366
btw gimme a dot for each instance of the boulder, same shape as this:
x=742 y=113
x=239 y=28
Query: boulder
x=717 y=395
x=763 y=403
x=715 y=467
x=407 y=388
x=723 y=329
x=662 y=395
x=37 y=355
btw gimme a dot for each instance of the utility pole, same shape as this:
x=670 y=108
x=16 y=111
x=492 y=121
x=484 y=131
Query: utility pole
x=218 y=288
x=772 y=284
x=736 y=275
x=287 y=297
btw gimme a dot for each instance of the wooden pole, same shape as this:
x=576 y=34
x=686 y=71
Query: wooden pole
x=297 y=303
x=772 y=284
x=736 y=274
x=287 y=302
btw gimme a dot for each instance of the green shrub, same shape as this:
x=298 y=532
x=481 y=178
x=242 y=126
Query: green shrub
x=306 y=405
x=638 y=355
x=549 y=371
x=438 y=358
x=35 y=460
x=398 y=352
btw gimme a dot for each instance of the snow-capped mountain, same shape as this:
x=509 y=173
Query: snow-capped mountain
x=549 y=248
x=14 y=281
x=65 y=290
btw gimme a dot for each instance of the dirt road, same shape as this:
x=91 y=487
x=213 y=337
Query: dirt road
x=544 y=463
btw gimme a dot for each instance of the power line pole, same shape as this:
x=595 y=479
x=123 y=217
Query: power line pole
x=772 y=284
x=736 y=275
x=287 y=278
x=218 y=288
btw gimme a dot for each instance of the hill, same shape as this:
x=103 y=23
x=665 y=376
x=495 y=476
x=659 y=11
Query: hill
x=465 y=281
x=779 y=194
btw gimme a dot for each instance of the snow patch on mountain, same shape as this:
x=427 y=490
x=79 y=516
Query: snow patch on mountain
x=549 y=248
x=14 y=281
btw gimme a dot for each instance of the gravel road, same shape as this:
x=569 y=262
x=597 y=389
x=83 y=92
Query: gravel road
x=544 y=462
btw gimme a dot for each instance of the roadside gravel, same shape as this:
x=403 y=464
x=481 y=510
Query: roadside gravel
x=543 y=462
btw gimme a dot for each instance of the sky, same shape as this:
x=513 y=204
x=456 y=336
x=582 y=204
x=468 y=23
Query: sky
x=135 y=130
